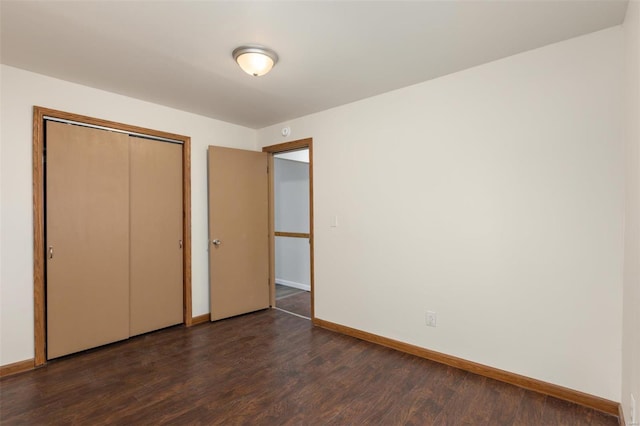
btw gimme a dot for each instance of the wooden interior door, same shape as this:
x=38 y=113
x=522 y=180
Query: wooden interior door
x=156 y=235
x=87 y=238
x=238 y=231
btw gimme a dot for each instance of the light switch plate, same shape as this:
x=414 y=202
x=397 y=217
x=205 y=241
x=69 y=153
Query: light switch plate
x=431 y=319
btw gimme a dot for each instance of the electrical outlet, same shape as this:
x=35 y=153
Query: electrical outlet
x=431 y=318
x=634 y=411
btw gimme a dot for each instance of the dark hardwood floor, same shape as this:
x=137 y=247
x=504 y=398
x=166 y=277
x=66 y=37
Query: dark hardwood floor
x=283 y=291
x=298 y=303
x=268 y=368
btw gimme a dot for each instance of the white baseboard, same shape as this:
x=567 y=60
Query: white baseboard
x=305 y=287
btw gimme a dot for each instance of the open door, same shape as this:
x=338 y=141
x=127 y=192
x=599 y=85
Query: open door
x=238 y=231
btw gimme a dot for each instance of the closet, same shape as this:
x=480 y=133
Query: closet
x=113 y=231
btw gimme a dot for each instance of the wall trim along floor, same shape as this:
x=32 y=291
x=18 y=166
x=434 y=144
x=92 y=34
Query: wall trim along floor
x=621 y=419
x=29 y=364
x=300 y=286
x=535 y=385
x=200 y=319
x=17 y=367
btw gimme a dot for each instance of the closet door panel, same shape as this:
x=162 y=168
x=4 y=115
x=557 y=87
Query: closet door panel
x=87 y=233
x=156 y=234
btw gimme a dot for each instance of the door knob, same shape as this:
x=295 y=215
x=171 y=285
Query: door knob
x=216 y=242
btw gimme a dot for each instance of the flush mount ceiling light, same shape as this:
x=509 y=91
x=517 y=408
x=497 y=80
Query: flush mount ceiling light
x=255 y=60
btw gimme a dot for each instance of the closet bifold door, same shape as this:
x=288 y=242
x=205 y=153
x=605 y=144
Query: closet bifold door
x=156 y=235
x=87 y=238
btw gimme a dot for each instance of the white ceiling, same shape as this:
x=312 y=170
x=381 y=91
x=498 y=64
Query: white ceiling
x=178 y=53
x=301 y=155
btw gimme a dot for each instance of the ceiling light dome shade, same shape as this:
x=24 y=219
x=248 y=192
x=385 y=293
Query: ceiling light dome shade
x=255 y=60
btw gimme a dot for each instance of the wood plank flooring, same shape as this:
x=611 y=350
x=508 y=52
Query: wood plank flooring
x=268 y=368
x=298 y=303
x=285 y=291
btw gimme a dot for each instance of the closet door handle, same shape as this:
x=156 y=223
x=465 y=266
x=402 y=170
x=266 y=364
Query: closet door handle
x=50 y=252
x=180 y=243
x=216 y=242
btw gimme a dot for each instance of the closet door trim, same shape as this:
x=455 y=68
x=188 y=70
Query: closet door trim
x=112 y=129
x=39 y=275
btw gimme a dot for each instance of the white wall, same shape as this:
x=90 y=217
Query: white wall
x=300 y=155
x=291 y=211
x=293 y=262
x=20 y=91
x=291 y=193
x=631 y=327
x=506 y=219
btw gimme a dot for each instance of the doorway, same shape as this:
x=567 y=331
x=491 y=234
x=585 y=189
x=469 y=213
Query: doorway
x=291 y=227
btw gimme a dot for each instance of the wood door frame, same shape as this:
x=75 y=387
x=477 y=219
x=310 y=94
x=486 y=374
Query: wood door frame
x=39 y=277
x=276 y=149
